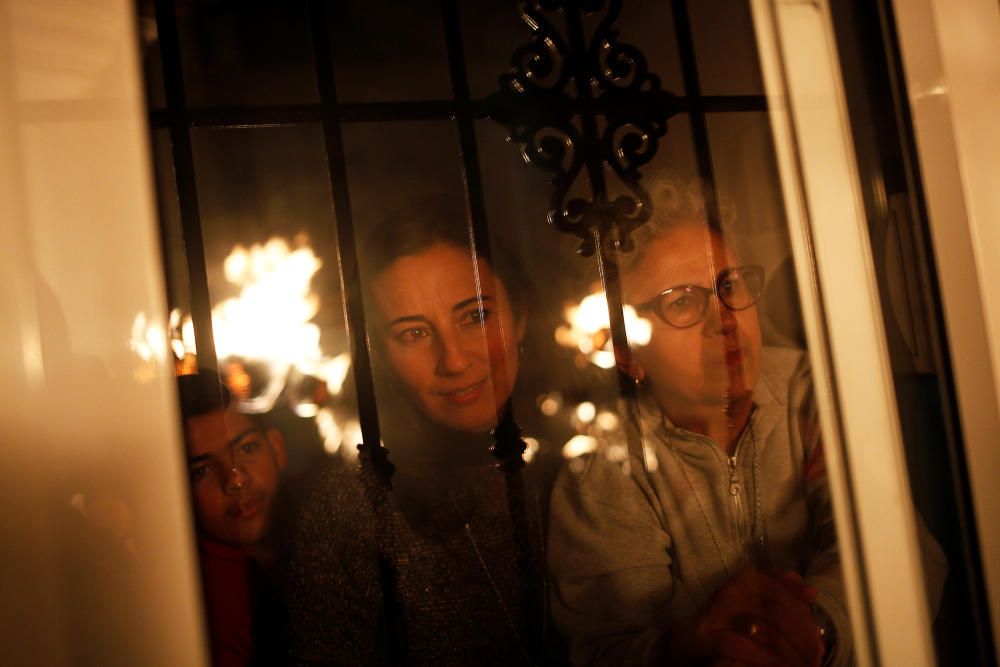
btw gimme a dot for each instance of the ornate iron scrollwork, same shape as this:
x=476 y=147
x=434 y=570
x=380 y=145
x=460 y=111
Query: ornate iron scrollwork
x=613 y=119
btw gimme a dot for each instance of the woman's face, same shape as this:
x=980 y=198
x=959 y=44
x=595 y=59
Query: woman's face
x=453 y=346
x=718 y=359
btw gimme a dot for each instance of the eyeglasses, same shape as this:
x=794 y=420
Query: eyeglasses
x=685 y=305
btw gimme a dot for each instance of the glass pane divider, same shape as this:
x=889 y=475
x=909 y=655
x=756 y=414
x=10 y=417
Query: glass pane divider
x=866 y=466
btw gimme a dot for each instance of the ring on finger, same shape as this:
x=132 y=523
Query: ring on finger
x=746 y=625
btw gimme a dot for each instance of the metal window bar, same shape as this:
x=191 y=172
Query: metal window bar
x=277 y=115
x=508 y=448
x=187 y=191
x=373 y=455
x=697 y=109
x=354 y=316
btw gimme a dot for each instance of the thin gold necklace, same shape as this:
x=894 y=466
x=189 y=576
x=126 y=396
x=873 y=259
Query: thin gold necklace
x=498 y=594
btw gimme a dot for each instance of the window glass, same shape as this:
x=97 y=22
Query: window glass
x=725 y=48
x=238 y=54
x=386 y=51
x=682 y=473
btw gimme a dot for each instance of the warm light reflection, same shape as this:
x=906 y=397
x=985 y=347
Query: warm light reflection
x=586 y=412
x=598 y=431
x=329 y=430
x=148 y=339
x=579 y=445
x=531 y=449
x=589 y=329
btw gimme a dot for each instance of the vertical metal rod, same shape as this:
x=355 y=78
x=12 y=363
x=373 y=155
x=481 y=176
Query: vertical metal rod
x=610 y=278
x=374 y=456
x=350 y=279
x=692 y=90
x=508 y=447
x=465 y=122
x=187 y=191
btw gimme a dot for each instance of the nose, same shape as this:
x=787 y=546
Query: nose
x=453 y=356
x=719 y=319
x=235 y=480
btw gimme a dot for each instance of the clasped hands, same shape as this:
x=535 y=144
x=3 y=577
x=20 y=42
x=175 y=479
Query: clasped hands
x=757 y=619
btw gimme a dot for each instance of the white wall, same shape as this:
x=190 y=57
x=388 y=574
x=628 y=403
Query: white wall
x=97 y=564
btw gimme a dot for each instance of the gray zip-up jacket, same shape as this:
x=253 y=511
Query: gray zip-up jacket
x=636 y=545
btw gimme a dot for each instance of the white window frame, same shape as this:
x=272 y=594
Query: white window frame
x=950 y=54
x=866 y=462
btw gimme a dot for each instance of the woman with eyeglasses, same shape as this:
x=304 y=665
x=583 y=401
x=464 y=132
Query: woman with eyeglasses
x=715 y=543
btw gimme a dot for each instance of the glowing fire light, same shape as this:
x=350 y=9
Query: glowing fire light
x=270 y=321
x=269 y=326
x=531 y=449
x=589 y=329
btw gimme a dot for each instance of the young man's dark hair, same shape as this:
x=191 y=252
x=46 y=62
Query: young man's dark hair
x=201 y=393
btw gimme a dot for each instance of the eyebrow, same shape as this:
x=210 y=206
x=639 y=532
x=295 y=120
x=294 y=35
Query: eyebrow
x=458 y=306
x=476 y=299
x=723 y=273
x=204 y=457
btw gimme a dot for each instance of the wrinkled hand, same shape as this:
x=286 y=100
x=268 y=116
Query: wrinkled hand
x=757 y=619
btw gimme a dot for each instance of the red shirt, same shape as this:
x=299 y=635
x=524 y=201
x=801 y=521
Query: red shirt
x=226 y=582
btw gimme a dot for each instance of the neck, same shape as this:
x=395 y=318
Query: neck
x=723 y=422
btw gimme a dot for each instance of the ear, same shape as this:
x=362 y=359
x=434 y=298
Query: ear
x=278 y=447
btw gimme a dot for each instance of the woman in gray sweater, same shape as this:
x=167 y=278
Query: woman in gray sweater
x=713 y=542
x=708 y=537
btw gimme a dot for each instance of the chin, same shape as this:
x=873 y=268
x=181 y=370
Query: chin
x=472 y=425
x=479 y=418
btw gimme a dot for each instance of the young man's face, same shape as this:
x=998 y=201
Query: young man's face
x=235 y=468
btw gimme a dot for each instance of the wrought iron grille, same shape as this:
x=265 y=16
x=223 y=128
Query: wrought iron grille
x=612 y=83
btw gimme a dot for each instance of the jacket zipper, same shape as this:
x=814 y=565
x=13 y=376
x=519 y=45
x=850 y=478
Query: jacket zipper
x=736 y=495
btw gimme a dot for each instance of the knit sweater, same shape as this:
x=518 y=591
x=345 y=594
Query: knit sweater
x=431 y=578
